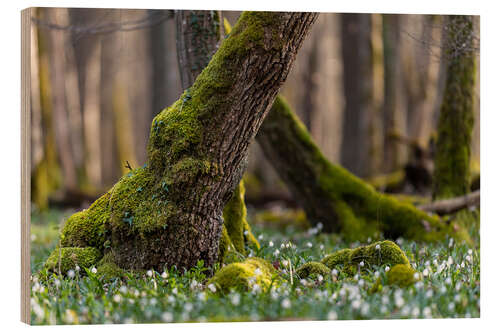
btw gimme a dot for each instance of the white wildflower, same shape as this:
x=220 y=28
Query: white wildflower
x=257 y=272
x=164 y=275
x=386 y=268
x=188 y=307
x=356 y=304
x=448 y=280
x=320 y=278
x=427 y=312
x=167 y=316
x=212 y=288
x=451 y=306
x=335 y=272
x=377 y=247
x=123 y=289
x=309 y=244
x=276 y=252
x=285 y=303
x=415 y=312
x=362 y=263
x=94 y=270
x=429 y=293
x=235 y=299
x=77 y=268
x=149 y=273
x=117 y=298
x=332 y=315
x=71 y=273
x=271 y=244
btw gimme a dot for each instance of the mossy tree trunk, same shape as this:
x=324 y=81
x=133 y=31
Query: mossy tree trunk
x=333 y=196
x=198 y=36
x=169 y=211
x=456 y=119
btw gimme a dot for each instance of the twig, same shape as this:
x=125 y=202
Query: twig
x=448 y=206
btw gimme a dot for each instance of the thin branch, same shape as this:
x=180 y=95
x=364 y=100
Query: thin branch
x=449 y=206
x=151 y=19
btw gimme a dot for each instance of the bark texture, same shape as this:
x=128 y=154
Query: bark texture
x=331 y=195
x=456 y=119
x=168 y=212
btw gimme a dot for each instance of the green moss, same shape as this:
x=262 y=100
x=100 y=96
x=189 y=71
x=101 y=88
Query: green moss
x=312 y=270
x=384 y=253
x=88 y=227
x=235 y=221
x=69 y=257
x=108 y=269
x=456 y=119
x=283 y=218
x=243 y=275
x=401 y=275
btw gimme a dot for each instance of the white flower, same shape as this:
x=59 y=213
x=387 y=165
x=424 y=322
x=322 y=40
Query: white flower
x=429 y=293
x=448 y=280
x=405 y=310
x=415 y=312
x=57 y=283
x=94 y=270
x=309 y=244
x=416 y=276
x=427 y=312
x=193 y=285
x=212 y=287
x=332 y=315
x=282 y=245
x=451 y=306
x=235 y=299
x=117 y=298
x=188 y=307
x=335 y=272
x=261 y=237
x=425 y=272
x=361 y=283
x=285 y=303
x=320 y=278
x=164 y=275
x=284 y=263
x=457 y=298
x=123 y=289
x=202 y=296
x=303 y=282
x=149 y=273
x=77 y=268
x=174 y=291
x=257 y=272
x=468 y=258
x=362 y=263
x=377 y=247
x=386 y=268
x=245 y=232
x=276 y=252
x=321 y=246
x=356 y=304
x=377 y=274
x=71 y=273
x=274 y=295
x=470 y=251
x=399 y=301
x=167 y=316
x=271 y=244
x=458 y=286
x=256 y=289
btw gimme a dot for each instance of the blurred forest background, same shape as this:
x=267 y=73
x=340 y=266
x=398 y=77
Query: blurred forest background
x=367 y=86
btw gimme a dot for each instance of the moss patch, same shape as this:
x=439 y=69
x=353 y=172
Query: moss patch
x=364 y=258
x=70 y=257
x=312 y=270
x=244 y=275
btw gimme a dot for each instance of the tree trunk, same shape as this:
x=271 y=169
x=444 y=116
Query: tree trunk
x=394 y=113
x=198 y=33
x=331 y=195
x=169 y=211
x=456 y=120
x=359 y=114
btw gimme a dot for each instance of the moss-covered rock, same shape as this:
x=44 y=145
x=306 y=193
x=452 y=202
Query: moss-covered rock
x=67 y=258
x=364 y=258
x=312 y=270
x=244 y=275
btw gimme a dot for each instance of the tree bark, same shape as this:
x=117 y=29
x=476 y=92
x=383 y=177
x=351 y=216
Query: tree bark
x=169 y=211
x=331 y=195
x=358 y=78
x=456 y=120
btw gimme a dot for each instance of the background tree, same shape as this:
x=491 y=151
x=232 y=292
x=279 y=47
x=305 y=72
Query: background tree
x=456 y=119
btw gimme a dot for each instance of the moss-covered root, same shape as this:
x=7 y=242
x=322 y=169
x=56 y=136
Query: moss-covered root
x=243 y=276
x=236 y=224
x=68 y=258
x=332 y=195
x=364 y=258
x=312 y=270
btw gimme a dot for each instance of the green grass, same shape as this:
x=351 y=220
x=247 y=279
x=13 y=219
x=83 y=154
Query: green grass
x=449 y=285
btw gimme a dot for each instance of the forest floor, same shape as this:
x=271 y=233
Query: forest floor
x=448 y=285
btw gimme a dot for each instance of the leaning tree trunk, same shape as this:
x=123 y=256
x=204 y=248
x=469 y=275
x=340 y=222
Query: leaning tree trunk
x=456 y=120
x=199 y=32
x=168 y=212
x=331 y=195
